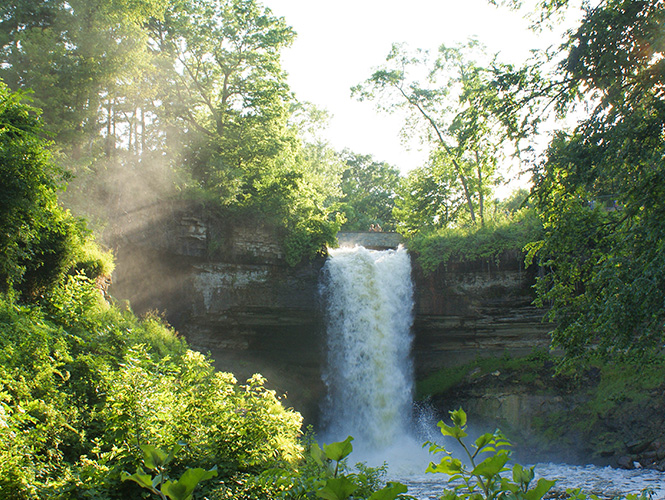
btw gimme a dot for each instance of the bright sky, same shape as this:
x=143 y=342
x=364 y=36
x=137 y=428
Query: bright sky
x=341 y=42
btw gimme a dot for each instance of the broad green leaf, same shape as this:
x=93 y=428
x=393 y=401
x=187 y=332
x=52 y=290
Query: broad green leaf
x=484 y=440
x=542 y=487
x=317 y=454
x=157 y=480
x=458 y=417
x=153 y=457
x=456 y=432
x=339 y=450
x=390 y=492
x=491 y=466
x=338 y=488
x=183 y=488
x=448 y=465
x=143 y=480
x=522 y=475
x=507 y=485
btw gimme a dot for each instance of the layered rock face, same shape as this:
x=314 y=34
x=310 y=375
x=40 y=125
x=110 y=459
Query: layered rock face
x=227 y=289
x=470 y=309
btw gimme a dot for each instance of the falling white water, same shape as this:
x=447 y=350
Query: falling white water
x=369 y=376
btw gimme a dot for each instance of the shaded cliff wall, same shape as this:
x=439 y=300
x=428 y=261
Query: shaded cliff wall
x=227 y=289
x=470 y=309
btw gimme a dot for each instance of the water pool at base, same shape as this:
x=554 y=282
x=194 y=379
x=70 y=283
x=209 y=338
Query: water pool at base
x=605 y=482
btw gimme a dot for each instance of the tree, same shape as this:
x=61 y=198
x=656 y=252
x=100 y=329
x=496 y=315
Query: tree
x=428 y=198
x=76 y=56
x=368 y=192
x=227 y=90
x=456 y=111
x=39 y=241
x=601 y=189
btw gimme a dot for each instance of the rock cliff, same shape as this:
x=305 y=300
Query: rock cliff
x=227 y=289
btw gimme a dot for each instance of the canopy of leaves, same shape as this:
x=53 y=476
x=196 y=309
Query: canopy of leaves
x=153 y=99
x=368 y=193
x=459 y=109
x=39 y=241
x=602 y=188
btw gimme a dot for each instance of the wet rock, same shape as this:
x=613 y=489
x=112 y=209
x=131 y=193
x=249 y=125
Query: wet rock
x=625 y=462
x=637 y=446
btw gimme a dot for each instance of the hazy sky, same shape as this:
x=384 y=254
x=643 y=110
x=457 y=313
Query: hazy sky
x=340 y=42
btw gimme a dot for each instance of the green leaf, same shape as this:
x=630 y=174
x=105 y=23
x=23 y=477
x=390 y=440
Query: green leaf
x=153 y=457
x=491 y=466
x=484 y=440
x=448 y=465
x=458 y=417
x=338 y=488
x=522 y=475
x=389 y=492
x=339 y=450
x=183 y=488
x=507 y=485
x=143 y=480
x=456 y=432
x=542 y=487
x=317 y=454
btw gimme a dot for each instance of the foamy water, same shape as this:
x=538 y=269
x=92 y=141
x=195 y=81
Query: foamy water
x=369 y=303
x=605 y=482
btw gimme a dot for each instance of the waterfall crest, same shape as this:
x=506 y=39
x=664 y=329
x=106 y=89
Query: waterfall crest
x=369 y=375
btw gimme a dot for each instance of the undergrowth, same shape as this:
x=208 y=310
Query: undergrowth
x=471 y=243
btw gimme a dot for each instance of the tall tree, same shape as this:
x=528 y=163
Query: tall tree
x=454 y=110
x=428 y=198
x=601 y=190
x=74 y=55
x=228 y=90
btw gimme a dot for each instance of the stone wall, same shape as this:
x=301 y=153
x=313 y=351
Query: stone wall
x=228 y=290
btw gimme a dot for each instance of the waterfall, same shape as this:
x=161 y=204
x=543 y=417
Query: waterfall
x=369 y=375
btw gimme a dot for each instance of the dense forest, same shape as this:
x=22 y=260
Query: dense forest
x=107 y=106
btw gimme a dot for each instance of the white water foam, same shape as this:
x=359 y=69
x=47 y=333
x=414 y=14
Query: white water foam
x=369 y=376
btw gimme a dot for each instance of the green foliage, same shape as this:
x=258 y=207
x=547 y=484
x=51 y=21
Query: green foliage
x=39 y=241
x=489 y=242
x=309 y=237
x=600 y=190
x=368 y=193
x=464 y=116
x=83 y=386
x=325 y=474
x=487 y=458
x=157 y=460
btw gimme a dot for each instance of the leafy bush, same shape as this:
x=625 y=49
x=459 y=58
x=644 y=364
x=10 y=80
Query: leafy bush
x=84 y=385
x=471 y=243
